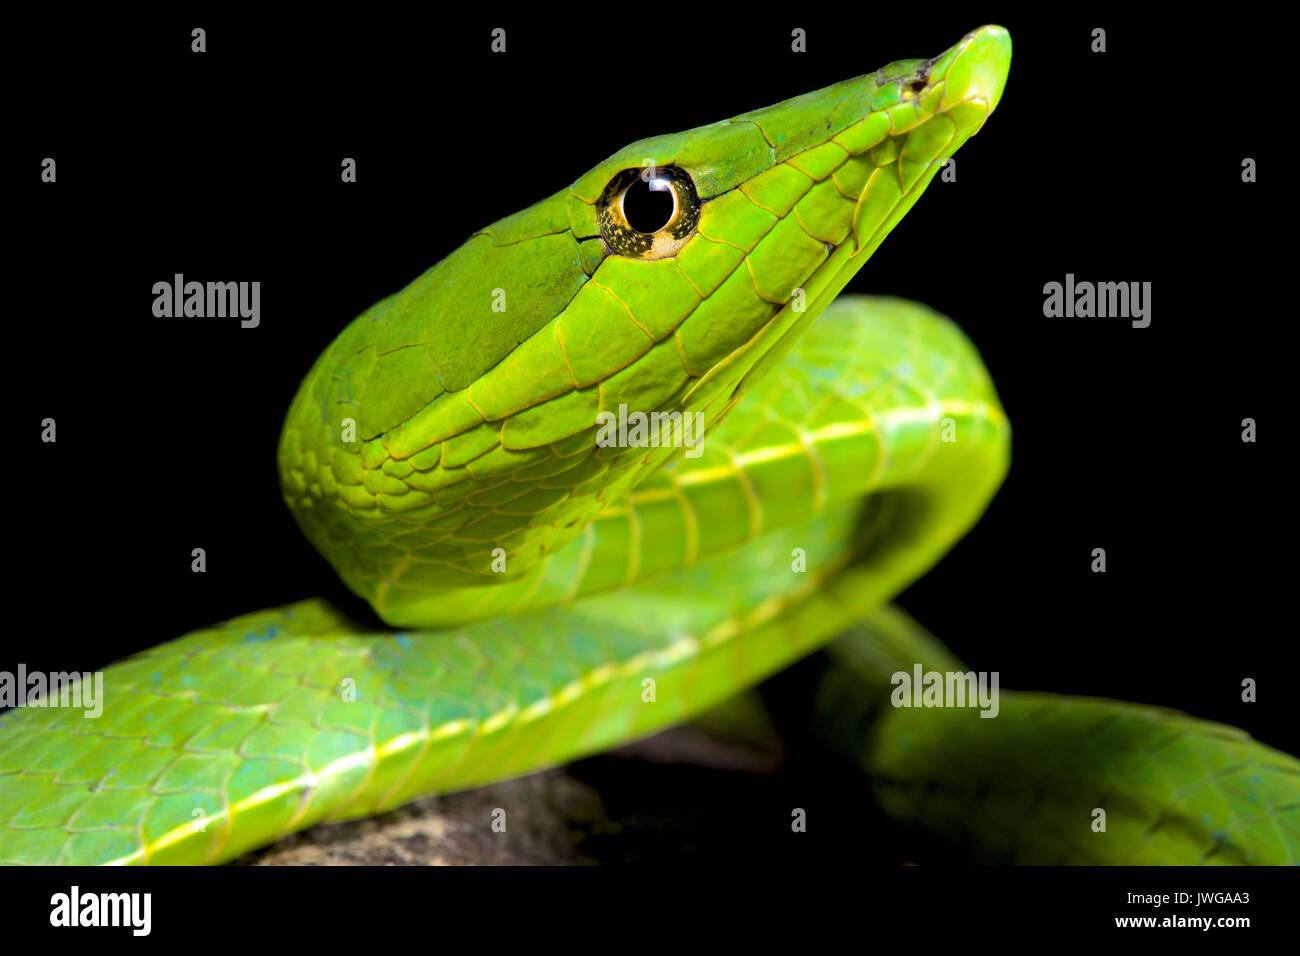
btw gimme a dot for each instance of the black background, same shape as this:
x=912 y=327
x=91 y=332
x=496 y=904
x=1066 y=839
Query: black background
x=1122 y=166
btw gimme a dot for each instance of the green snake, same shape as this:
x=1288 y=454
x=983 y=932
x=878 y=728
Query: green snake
x=560 y=587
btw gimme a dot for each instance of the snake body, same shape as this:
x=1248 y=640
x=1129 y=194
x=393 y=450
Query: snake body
x=557 y=594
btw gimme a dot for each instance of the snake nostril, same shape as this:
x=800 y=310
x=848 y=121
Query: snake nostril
x=918 y=84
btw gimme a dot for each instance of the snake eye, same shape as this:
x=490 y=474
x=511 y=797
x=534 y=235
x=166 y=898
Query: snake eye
x=649 y=212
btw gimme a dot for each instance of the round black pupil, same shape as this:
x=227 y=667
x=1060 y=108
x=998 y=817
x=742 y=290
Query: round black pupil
x=648 y=209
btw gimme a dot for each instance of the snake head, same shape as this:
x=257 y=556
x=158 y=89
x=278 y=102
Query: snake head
x=815 y=154
x=451 y=434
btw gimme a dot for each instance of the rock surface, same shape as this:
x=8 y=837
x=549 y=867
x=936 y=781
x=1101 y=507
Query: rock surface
x=553 y=817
